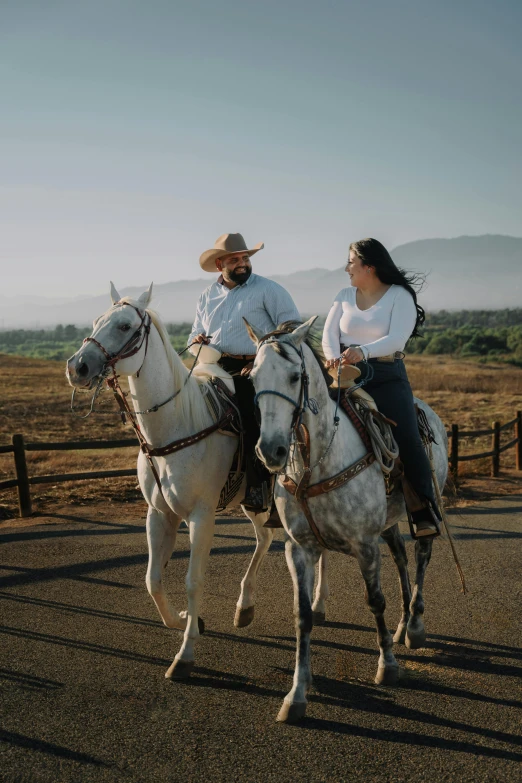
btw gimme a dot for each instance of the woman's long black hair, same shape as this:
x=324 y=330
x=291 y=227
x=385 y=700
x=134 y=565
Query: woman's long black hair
x=373 y=253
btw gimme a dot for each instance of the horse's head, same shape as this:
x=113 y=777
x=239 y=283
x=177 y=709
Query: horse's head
x=118 y=339
x=280 y=375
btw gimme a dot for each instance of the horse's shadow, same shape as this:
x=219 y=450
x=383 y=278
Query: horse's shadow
x=357 y=696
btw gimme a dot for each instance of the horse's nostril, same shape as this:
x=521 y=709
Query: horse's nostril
x=82 y=370
x=280 y=451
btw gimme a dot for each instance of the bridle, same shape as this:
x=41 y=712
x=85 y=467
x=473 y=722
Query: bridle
x=131 y=347
x=305 y=401
x=299 y=434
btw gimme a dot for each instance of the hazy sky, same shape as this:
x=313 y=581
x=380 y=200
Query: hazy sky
x=133 y=133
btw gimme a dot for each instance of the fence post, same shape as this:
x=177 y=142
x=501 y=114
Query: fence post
x=495 y=448
x=518 y=446
x=24 y=494
x=454 y=459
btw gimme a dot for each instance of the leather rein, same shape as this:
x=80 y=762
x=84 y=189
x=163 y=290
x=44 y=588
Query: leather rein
x=302 y=490
x=131 y=347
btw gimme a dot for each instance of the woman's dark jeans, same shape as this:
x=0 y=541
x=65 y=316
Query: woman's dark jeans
x=392 y=392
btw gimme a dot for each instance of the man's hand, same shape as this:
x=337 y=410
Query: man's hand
x=202 y=338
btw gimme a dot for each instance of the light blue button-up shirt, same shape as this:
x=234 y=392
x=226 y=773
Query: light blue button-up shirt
x=221 y=310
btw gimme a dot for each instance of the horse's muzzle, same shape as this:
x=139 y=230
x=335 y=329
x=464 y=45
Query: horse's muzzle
x=273 y=453
x=82 y=370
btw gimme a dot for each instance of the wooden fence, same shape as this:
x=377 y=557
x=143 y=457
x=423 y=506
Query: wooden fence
x=496 y=449
x=23 y=481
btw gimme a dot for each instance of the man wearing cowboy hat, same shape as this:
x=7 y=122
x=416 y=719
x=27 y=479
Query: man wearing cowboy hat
x=238 y=293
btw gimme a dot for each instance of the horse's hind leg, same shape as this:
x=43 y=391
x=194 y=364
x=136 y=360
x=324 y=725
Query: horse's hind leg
x=161 y=538
x=397 y=548
x=246 y=600
x=369 y=558
x=301 y=564
x=415 y=633
x=322 y=591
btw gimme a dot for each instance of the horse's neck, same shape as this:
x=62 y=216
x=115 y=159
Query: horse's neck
x=344 y=447
x=154 y=385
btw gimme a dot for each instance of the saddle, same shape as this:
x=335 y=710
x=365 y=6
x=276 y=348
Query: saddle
x=207 y=367
x=217 y=388
x=360 y=407
x=346 y=381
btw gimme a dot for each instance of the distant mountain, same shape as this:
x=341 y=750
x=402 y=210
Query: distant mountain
x=471 y=273
x=467 y=273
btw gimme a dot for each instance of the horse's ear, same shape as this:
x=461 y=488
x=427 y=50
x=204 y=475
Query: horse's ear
x=145 y=298
x=255 y=334
x=301 y=333
x=114 y=294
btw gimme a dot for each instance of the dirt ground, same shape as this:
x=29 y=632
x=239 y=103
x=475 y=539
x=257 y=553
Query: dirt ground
x=36 y=397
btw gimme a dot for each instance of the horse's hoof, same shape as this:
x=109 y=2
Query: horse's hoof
x=244 y=616
x=318 y=618
x=387 y=675
x=400 y=634
x=291 y=712
x=201 y=626
x=179 y=670
x=415 y=639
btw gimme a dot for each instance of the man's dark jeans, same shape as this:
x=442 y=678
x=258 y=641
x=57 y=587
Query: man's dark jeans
x=256 y=473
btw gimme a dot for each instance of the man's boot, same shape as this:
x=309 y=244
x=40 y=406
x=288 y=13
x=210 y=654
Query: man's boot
x=257 y=498
x=274 y=520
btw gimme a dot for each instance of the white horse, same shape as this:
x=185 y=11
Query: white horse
x=350 y=518
x=131 y=339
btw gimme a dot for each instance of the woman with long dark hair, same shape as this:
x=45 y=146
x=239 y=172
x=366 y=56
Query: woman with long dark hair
x=371 y=321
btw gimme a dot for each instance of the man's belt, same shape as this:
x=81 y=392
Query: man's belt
x=244 y=357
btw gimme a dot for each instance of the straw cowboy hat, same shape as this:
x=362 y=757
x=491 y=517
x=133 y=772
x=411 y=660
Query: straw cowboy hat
x=225 y=244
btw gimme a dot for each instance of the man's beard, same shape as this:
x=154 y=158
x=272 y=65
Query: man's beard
x=240 y=277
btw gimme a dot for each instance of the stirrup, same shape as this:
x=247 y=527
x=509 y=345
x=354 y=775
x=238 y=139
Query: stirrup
x=434 y=520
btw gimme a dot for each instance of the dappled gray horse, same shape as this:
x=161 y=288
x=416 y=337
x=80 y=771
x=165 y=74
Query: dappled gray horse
x=350 y=518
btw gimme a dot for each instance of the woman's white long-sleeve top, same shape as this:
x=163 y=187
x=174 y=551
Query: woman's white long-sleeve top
x=380 y=330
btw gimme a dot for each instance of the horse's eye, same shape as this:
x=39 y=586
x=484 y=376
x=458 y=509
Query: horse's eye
x=125 y=327
x=294 y=378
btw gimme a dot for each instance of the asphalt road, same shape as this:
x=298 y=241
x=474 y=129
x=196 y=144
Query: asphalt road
x=83 y=694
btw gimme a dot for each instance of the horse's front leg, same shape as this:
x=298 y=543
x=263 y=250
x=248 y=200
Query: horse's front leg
x=201 y=527
x=322 y=591
x=415 y=632
x=246 y=601
x=301 y=564
x=369 y=558
x=397 y=548
x=162 y=528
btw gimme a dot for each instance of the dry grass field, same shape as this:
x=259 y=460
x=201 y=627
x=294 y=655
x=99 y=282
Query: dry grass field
x=35 y=400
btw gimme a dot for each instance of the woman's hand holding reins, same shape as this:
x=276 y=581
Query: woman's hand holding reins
x=350 y=356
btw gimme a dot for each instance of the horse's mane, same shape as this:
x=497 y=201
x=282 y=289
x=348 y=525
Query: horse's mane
x=190 y=403
x=313 y=340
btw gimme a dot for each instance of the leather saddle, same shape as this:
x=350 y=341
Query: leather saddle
x=347 y=379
